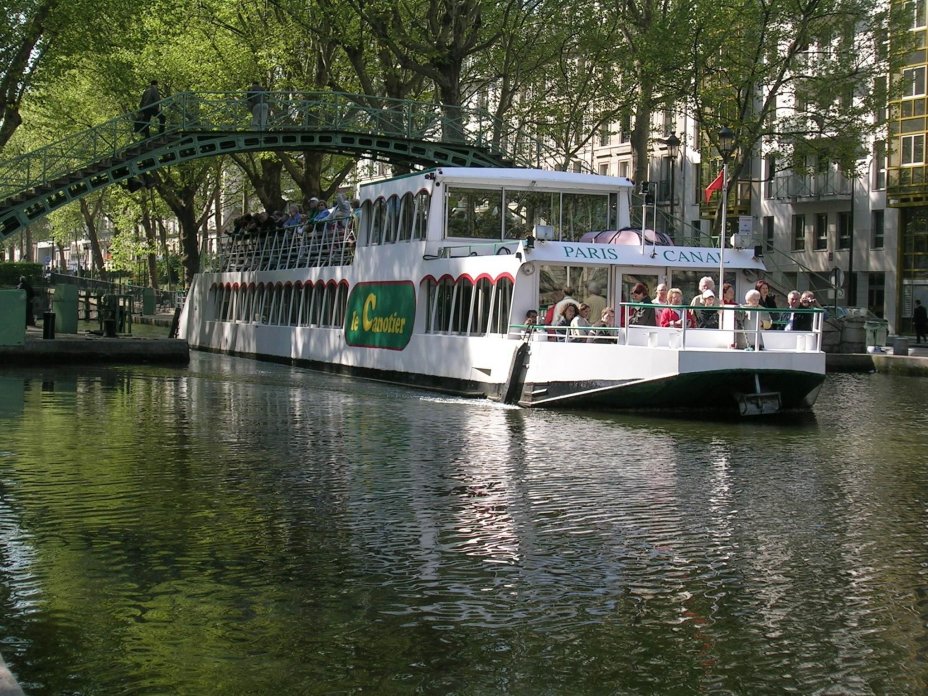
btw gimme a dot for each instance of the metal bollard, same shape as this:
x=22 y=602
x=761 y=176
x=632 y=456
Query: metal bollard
x=48 y=325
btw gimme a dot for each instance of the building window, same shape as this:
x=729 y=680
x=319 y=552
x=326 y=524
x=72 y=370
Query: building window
x=913 y=149
x=913 y=82
x=771 y=163
x=799 y=232
x=623 y=169
x=917 y=8
x=879 y=165
x=845 y=229
x=821 y=231
x=768 y=232
x=604 y=169
x=876 y=292
x=604 y=135
x=877 y=226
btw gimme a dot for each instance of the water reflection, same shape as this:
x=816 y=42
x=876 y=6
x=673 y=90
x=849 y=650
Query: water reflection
x=250 y=528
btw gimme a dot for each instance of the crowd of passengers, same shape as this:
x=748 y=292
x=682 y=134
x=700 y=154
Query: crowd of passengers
x=568 y=319
x=295 y=217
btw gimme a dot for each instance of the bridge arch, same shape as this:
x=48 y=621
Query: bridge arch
x=197 y=125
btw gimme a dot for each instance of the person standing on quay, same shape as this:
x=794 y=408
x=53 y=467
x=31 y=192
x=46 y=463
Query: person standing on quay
x=920 y=321
x=30 y=296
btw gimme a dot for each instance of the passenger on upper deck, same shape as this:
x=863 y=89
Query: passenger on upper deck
x=672 y=317
x=642 y=316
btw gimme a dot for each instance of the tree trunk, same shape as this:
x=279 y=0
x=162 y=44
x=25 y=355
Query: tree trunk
x=189 y=239
x=148 y=224
x=90 y=217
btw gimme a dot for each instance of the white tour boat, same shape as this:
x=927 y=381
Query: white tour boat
x=428 y=282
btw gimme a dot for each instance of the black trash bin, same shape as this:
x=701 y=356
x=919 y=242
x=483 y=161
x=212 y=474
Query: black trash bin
x=48 y=325
x=109 y=328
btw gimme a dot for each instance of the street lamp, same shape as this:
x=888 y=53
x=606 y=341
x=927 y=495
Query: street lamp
x=645 y=199
x=672 y=142
x=726 y=147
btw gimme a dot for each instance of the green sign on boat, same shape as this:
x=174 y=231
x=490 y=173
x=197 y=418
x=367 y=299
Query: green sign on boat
x=380 y=315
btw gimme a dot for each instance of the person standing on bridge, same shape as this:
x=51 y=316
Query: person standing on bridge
x=149 y=107
x=257 y=102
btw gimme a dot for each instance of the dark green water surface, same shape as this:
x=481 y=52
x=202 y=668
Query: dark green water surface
x=244 y=528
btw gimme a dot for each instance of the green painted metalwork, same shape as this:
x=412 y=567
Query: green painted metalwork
x=199 y=125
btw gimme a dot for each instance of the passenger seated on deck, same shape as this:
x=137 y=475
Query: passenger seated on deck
x=567 y=315
x=754 y=320
x=579 y=327
x=672 y=317
x=604 y=331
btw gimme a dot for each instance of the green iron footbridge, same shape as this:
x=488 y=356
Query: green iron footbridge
x=196 y=125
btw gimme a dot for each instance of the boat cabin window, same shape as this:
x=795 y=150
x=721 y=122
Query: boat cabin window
x=464 y=307
x=319 y=304
x=479 y=213
x=588 y=284
x=398 y=218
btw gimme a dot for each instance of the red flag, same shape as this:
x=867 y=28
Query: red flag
x=716 y=185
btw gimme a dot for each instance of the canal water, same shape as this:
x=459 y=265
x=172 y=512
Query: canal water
x=246 y=528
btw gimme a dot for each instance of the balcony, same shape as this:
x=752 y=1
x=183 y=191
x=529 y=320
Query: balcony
x=906 y=186
x=830 y=185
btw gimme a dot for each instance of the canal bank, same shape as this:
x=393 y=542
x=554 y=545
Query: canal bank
x=92 y=348
x=912 y=363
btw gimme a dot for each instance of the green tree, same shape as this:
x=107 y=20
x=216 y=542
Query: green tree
x=797 y=76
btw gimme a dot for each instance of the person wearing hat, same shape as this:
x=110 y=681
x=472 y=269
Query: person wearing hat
x=708 y=318
x=705 y=283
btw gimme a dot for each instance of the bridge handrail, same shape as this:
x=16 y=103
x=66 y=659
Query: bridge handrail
x=288 y=110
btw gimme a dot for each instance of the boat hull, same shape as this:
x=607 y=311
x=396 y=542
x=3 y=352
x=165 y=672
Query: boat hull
x=720 y=390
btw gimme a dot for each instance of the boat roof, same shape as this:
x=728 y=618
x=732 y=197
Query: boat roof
x=531 y=178
x=492 y=177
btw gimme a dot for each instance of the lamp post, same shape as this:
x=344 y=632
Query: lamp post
x=645 y=199
x=726 y=147
x=672 y=142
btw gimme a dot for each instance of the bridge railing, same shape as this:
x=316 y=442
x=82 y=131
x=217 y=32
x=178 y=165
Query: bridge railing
x=222 y=112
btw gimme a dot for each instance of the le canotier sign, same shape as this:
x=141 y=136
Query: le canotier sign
x=380 y=315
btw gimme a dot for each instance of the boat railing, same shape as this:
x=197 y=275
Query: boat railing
x=329 y=242
x=738 y=328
